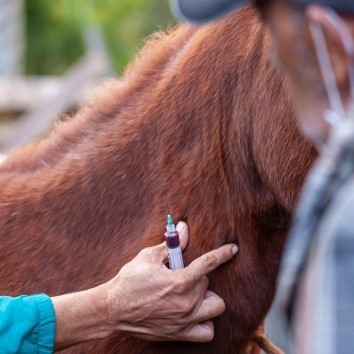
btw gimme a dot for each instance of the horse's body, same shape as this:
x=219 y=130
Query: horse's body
x=200 y=114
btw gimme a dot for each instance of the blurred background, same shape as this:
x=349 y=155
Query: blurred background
x=54 y=53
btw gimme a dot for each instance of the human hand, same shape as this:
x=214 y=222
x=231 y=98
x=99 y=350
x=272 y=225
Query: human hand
x=146 y=300
x=149 y=301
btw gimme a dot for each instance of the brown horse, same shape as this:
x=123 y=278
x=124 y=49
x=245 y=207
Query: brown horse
x=201 y=114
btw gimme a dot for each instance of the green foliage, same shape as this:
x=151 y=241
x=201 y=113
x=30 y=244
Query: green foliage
x=55 y=30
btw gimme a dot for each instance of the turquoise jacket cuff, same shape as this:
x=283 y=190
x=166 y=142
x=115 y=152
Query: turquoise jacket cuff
x=46 y=323
x=27 y=324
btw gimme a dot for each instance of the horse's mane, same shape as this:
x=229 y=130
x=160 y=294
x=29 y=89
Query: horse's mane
x=107 y=102
x=200 y=114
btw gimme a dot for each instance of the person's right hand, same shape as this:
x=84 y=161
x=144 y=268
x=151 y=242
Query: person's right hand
x=149 y=301
x=146 y=299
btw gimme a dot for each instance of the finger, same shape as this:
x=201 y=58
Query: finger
x=201 y=332
x=210 y=261
x=211 y=295
x=198 y=293
x=204 y=284
x=182 y=229
x=212 y=306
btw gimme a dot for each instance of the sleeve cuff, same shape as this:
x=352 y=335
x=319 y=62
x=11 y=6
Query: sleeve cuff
x=46 y=323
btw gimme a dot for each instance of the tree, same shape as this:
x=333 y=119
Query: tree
x=55 y=30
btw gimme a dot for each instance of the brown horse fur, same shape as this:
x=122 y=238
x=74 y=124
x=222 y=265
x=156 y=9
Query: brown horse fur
x=201 y=114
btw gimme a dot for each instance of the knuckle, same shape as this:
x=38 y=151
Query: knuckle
x=187 y=306
x=146 y=252
x=210 y=262
x=142 y=253
x=180 y=284
x=205 y=281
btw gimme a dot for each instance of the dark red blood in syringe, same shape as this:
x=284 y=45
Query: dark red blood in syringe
x=172 y=239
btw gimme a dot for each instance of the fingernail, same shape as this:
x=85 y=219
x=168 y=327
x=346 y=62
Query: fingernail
x=234 y=249
x=180 y=226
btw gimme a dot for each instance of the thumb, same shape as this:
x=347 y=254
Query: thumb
x=182 y=229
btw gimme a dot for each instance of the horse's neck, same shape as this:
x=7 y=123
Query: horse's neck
x=183 y=124
x=102 y=141
x=94 y=179
x=102 y=175
x=100 y=195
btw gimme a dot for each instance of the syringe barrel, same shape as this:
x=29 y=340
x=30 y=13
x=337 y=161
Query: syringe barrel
x=175 y=257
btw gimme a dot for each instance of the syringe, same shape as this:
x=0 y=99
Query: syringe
x=173 y=245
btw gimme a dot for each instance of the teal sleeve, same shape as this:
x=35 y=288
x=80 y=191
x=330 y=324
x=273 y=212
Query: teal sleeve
x=27 y=324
